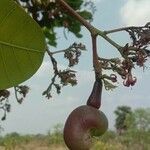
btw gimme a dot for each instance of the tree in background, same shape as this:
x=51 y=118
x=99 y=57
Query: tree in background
x=121 y=113
x=139 y=119
x=138 y=128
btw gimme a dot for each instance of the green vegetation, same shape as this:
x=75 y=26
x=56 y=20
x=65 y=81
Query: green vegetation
x=121 y=112
x=135 y=136
x=131 y=140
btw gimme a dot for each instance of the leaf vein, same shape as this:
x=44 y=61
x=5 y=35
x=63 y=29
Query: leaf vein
x=20 y=47
x=8 y=14
x=4 y=64
x=17 y=63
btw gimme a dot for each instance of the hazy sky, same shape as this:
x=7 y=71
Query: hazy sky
x=38 y=115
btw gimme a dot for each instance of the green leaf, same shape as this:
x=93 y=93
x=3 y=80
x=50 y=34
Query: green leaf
x=86 y=15
x=22 y=45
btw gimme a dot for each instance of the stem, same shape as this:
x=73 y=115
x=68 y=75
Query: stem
x=47 y=91
x=113 y=43
x=16 y=95
x=54 y=62
x=94 y=49
x=59 y=51
x=96 y=64
x=72 y=12
x=64 y=50
x=121 y=29
x=56 y=52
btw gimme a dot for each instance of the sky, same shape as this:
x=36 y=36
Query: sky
x=39 y=115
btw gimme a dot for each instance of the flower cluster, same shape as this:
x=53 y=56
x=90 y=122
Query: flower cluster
x=140 y=35
x=122 y=68
x=4 y=103
x=23 y=91
x=67 y=76
x=73 y=53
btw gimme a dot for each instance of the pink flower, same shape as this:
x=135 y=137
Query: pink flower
x=129 y=81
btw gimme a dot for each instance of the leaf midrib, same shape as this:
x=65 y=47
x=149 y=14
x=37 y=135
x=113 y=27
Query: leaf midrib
x=20 y=47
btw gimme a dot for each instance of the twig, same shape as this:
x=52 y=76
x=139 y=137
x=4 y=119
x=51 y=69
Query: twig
x=69 y=10
x=122 y=29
